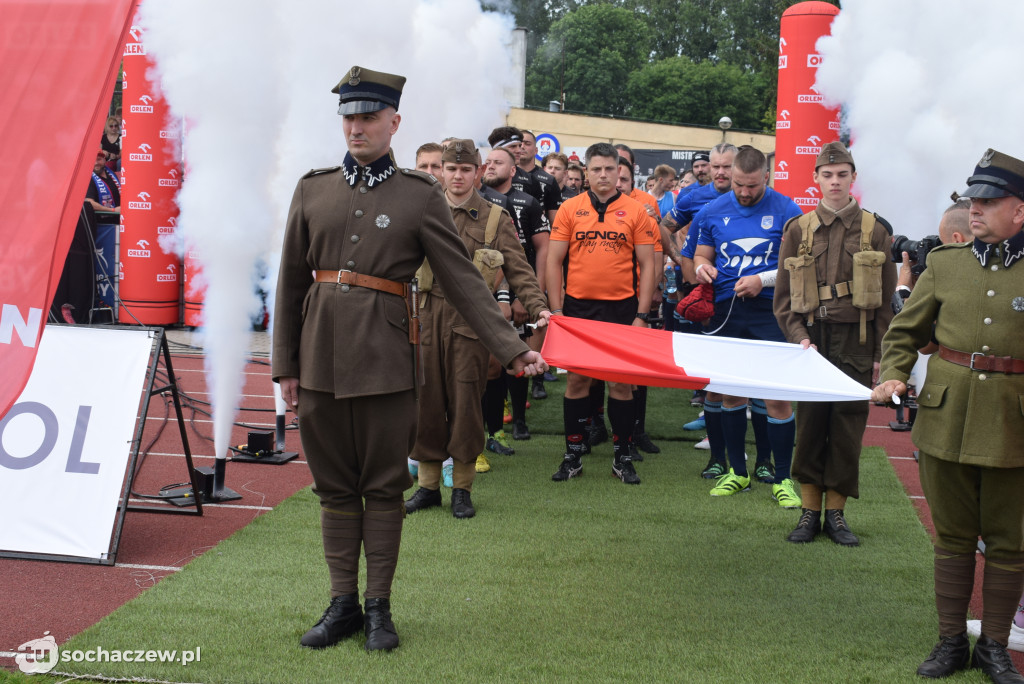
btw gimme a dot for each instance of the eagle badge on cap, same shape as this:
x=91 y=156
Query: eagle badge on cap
x=458 y=152
x=354 y=80
x=383 y=221
x=1018 y=304
x=986 y=160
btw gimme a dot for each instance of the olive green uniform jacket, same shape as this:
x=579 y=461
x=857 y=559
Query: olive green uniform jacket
x=379 y=221
x=970 y=417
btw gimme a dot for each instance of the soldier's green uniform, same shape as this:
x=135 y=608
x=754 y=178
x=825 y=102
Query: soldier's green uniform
x=349 y=347
x=970 y=422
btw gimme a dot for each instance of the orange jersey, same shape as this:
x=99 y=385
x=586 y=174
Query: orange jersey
x=646 y=198
x=601 y=255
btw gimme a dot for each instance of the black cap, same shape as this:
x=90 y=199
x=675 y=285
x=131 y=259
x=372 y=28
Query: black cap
x=996 y=175
x=363 y=91
x=701 y=157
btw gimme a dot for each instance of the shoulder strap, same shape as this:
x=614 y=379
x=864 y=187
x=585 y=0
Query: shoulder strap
x=867 y=227
x=492 y=225
x=809 y=222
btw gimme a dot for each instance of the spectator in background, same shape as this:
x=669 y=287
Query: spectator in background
x=556 y=165
x=428 y=160
x=104 y=193
x=110 y=143
x=954 y=227
x=573 y=181
x=664 y=179
x=687 y=179
x=702 y=168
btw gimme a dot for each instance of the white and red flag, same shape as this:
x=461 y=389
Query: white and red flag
x=60 y=62
x=741 y=368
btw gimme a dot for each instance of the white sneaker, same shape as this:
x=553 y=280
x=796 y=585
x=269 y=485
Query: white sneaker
x=1016 y=642
x=702 y=444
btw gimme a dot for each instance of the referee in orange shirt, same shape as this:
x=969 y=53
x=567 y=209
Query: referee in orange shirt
x=604 y=236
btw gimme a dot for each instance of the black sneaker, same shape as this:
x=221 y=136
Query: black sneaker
x=342 y=619
x=423 y=498
x=698 y=398
x=462 y=505
x=519 y=430
x=597 y=432
x=550 y=377
x=634 y=453
x=643 y=443
x=714 y=470
x=765 y=472
x=623 y=469
x=571 y=467
x=538 y=389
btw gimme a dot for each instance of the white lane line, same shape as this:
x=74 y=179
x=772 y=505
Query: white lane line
x=136 y=566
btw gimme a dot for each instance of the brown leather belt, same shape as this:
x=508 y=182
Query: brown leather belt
x=979 y=362
x=358 y=279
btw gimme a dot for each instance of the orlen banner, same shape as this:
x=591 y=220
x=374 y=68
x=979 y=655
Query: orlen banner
x=60 y=61
x=803 y=124
x=150 y=285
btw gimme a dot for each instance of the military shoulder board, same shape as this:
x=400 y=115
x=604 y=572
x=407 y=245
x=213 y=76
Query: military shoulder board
x=317 y=172
x=419 y=174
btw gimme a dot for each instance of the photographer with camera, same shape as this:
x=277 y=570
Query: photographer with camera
x=953 y=228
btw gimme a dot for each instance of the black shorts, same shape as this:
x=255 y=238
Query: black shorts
x=621 y=311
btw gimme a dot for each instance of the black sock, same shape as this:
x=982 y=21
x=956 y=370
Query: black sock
x=596 y=400
x=620 y=415
x=574 y=415
x=494 y=404
x=759 y=421
x=734 y=429
x=517 y=388
x=640 y=409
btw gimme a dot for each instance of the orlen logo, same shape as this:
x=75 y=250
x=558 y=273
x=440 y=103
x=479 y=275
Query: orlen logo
x=811 y=98
x=782 y=173
x=145 y=108
x=143 y=155
x=783 y=61
x=806 y=201
x=814 y=147
x=136 y=48
x=812 y=191
x=833 y=125
x=144 y=203
x=169 y=134
x=783 y=122
x=142 y=252
x=171 y=182
x=171 y=277
x=814 y=61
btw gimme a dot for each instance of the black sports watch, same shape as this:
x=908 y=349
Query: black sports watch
x=643 y=316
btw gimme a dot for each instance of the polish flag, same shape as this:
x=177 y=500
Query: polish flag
x=656 y=358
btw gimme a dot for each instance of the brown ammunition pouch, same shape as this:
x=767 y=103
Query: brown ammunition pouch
x=803 y=278
x=489 y=261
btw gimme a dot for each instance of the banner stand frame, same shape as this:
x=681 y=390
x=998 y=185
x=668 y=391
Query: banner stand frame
x=160 y=348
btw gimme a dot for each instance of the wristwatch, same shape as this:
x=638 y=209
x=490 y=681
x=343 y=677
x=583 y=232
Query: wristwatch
x=642 y=316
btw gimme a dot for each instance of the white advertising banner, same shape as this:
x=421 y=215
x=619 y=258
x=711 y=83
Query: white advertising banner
x=64 y=445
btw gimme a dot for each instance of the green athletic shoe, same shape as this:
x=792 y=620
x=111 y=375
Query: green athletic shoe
x=765 y=472
x=730 y=484
x=785 y=493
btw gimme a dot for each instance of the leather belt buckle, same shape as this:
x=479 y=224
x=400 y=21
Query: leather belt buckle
x=971 y=364
x=340 y=271
x=822 y=312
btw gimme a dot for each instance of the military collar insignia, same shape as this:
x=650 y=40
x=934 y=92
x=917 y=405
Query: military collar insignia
x=374 y=173
x=1013 y=250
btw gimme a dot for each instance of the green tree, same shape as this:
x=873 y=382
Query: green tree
x=594 y=48
x=678 y=90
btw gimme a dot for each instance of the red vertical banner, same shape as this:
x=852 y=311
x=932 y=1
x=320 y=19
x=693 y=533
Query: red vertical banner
x=150 y=286
x=803 y=123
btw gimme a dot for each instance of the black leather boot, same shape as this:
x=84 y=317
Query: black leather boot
x=808 y=527
x=462 y=505
x=991 y=657
x=380 y=630
x=342 y=619
x=423 y=498
x=950 y=655
x=837 y=529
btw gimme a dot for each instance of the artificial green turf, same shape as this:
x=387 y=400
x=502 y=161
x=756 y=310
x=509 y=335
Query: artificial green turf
x=589 y=580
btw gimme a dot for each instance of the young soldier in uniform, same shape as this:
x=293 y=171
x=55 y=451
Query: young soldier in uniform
x=454 y=360
x=738 y=251
x=842 y=325
x=601 y=284
x=356 y=234
x=969 y=427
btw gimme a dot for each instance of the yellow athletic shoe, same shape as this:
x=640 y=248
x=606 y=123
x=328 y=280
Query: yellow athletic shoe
x=482 y=464
x=785 y=493
x=730 y=484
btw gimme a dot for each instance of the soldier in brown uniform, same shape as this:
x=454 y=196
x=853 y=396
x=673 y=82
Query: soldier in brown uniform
x=454 y=360
x=826 y=458
x=970 y=419
x=355 y=236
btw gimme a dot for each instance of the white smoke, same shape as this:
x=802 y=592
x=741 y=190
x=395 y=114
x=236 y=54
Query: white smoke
x=252 y=78
x=928 y=86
